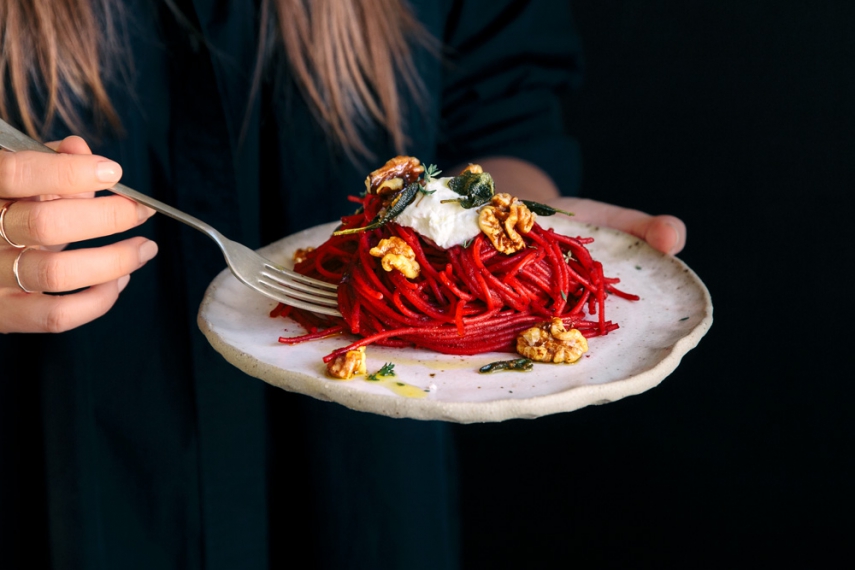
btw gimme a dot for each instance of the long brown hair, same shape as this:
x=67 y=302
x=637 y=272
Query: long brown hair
x=351 y=60
x=52 y=48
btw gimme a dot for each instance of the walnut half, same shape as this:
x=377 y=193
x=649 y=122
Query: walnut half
x=551 y=342
x=504 y=220
x=346 y=366
x=394 y=175
x=397 y=254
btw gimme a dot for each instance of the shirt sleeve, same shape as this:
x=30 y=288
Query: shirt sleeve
x=506 y=67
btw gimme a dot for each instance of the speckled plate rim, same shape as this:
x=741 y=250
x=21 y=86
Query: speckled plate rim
x=500 y=409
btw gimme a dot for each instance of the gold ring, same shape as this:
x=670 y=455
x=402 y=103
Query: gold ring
x=15 y=269
x=3 y=226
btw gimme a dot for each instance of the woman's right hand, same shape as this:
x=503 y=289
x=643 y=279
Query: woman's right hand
x=52 y=203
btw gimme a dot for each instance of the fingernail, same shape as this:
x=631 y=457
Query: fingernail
x=144 y=213
x=108 y=171
x=675 y=237
x=147 y=251
x=123 y=282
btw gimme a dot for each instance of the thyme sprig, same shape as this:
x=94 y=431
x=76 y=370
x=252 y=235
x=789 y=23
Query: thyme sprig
x=430 y=173
x=386 y=370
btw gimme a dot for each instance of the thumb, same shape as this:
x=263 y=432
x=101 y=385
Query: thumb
x=665 y=233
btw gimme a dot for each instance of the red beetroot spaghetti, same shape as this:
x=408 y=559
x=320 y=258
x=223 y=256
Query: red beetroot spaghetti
x=467 y=299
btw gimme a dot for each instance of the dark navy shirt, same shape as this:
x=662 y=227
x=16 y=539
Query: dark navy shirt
x=130 y=443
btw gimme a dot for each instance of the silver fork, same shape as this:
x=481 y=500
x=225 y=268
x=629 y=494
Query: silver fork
x=253 y=270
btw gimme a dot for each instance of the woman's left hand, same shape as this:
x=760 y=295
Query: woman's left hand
x=526 y=181
x=665 y=233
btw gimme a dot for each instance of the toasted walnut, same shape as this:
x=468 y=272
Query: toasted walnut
x=397 y=254
x=346 y=366
x=473 y=168
x=551 y=342
x=504 y=220
x=394 y=175
x=389 y=186
x=301 y=254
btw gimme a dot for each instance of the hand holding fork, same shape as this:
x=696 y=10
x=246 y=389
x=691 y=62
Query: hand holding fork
x=32 y=218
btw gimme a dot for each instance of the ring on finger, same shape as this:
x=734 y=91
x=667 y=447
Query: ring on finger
x=15 y=268
x=3 y=234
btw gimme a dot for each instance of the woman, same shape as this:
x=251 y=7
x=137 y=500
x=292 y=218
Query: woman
x=258 y=117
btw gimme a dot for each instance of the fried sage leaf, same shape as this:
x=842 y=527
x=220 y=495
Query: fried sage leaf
x=400 y=200
x=543 y=209
x=518 y=364
x=475 y=189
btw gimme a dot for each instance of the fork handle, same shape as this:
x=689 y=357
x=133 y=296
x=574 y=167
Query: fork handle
x=168 y=210
x=14 y=140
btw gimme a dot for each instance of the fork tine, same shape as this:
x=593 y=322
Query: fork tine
x=311 y=290
x=300 y=300
x=309 y=307
x=301 y=278
x=294 y=294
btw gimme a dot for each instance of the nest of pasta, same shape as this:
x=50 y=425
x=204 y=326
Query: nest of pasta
x=467 y=299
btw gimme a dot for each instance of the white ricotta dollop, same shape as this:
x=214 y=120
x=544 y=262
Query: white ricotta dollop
x=447 y=224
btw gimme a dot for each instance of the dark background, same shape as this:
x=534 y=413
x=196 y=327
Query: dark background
x=738 y=117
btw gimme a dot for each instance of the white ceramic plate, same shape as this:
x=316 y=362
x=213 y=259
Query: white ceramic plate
x=674 y=312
